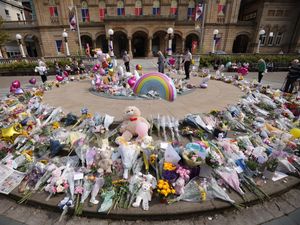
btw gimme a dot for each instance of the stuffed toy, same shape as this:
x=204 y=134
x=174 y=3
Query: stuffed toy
x=133 y=125
x=179 y=185
x=104 y=161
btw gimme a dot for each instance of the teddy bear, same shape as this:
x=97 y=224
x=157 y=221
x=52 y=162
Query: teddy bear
x=144 y=194
x=133 y=125
x=104 y=161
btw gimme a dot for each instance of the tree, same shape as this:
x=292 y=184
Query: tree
x=4 y=36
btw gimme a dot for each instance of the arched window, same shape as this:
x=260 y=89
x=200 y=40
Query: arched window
x=85 y=12
x=156 y=7
x=120 y=8
x=221 y=7
x=102 y=10
x=173 y=9
x=138 y=8
x=53 y=9
x=191 y=10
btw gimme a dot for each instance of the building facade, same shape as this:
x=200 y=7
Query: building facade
x=140 y=26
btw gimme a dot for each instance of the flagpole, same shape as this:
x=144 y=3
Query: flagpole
x=78 y=31
x=202 y=28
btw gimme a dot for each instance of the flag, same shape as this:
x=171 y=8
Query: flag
x=72 y=18
x=199 y=11
x=221 y=7
x=101 y=13
x=218 y=42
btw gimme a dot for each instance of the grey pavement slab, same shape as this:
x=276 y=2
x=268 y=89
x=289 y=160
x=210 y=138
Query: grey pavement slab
x=8 y=221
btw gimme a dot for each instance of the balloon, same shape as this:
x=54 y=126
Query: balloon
x=32 y=81
x=110 y=66
x=172 y=61
x=19 y=91
x=102 y=71
x=66 y=74
x=131 y=82
x=228 y=65
x=136 y=75
x=16 y=84
x=142 y=129
x=59 y=78
x=138 y=67
x=104 y=64
x=295 y=132
x=96 y=67
x=203 y=85
x=111 y=72
x=12 y=89
x=120 y=71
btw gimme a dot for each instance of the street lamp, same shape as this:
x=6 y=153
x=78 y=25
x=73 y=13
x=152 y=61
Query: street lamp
x=215 y=33
x=111 y=49
x=19 y=39
x=170 y=34
x=65 y=36
x=261 y=33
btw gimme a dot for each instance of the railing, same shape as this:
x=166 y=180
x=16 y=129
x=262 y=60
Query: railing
x=143 y=17
x=21 y=23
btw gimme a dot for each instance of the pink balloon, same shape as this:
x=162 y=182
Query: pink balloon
x=59 y=78
x=96 y=67
x=16 y=84
x=142 y=129
x=32 y=81
x=12 y=89
x=102 y=71
x=172 y=61
x=131 y=82
x=66 y=74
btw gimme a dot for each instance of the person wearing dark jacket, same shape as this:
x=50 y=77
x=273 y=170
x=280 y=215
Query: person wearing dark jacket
x=292 y=76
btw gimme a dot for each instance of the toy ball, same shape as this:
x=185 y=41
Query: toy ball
x=59 y=78
x=16 y=84
x=102 y=71
x=131 y=82
x=172 y=61
x=295 y=132
x=66 y=74
x=138 y=67
x=32 y=81
x=228 y=64
x=203 y=85
x=110 y=66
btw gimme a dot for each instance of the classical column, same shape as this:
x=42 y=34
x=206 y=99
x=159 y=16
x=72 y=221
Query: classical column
x=129 y=47
x=150 y=54
x=183 y=45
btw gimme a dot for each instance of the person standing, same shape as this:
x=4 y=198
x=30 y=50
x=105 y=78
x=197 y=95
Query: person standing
x=292 y=76
x=126 y=60
x=261 y=69
x=187 y=62
x=161 y=62
x=42 y=70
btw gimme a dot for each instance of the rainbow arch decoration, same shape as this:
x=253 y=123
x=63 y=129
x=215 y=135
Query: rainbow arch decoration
x=158 y=82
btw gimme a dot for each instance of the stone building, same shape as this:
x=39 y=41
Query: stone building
x=140 y=26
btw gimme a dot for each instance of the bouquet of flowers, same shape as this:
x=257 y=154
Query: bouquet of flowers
x=169 y=171
x=164 y=189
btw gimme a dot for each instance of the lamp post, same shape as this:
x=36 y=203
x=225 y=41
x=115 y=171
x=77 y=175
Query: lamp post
x=65 y=36
x=170 y=36
x=261 y=34
x=110 y=46
x=19 y=39
x=216 y=31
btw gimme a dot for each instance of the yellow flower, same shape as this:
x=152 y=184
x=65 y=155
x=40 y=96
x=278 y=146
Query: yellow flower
x=158 y=190
x=169 y=166
x=153 y=158
x=55 y=125
x=163 y=192
x=165 y=187
x=160 y=186
x=173 y=191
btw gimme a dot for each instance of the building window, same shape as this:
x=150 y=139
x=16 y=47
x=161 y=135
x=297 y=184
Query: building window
x=18 y=16
x=221 y=7
x=6 y=12
x=102 y=10
x=53 y=9
x=156 y=7
x=271 y=13
x=270 y=40
x=85 y=12
x=278 y=38
x=191 y=10
x=263 y=40
x=59 y=46
x=138 y=11
x=173 y=9
x=120 y=8
x=279 y=13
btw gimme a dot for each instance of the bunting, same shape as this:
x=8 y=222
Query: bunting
x=221 y=7
x=199 y=11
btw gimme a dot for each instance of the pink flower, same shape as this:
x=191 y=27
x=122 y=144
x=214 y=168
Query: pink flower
x=78 y=190
x=66 y=185
x=53 y=189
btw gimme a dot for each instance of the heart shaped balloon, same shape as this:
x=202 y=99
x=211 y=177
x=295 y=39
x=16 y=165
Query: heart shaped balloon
x=131 y=82
x=16 y=84
x=32 y=81
x=59 y=78
x=172 y=61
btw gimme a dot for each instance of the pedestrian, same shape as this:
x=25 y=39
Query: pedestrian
x=126 y=60
x=187 y=58
x=42 y=68
x=261 y=69
x=81 y=67
x=161 y=62
x=292 y=76
x=75 y=66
